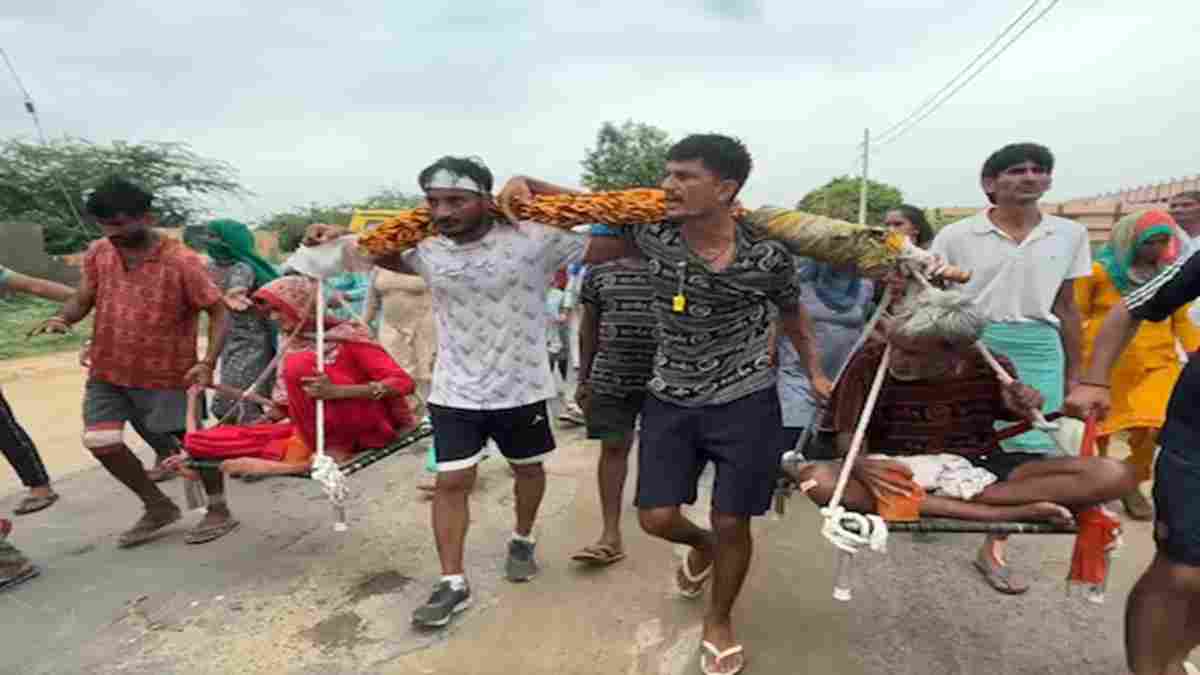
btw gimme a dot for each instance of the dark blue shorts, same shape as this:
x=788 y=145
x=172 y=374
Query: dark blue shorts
x=742 y=438
x=1177 y=506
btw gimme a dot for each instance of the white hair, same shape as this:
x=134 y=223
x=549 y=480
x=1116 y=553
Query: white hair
x=944 y=315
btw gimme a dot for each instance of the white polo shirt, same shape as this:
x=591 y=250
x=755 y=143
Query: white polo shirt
x=1014 y=282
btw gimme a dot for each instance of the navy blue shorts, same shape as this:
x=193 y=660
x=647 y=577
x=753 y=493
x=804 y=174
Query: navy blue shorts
x=1177 y=506
x=741 y=438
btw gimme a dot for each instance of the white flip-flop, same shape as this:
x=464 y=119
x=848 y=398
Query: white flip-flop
x=707 y=649
x=696 y=579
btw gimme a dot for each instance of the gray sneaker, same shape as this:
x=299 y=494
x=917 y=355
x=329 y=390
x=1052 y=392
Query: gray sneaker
x=445 y=602
x=520 y=565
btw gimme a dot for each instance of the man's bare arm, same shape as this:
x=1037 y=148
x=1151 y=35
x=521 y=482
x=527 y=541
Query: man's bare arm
x=218 y=330
x=588 y=331
x=80 y=304
x=1118 y=329
x=1071 y=329
x=1092 y=396
x=374 y=301
x=42 y=288
x=525 y=187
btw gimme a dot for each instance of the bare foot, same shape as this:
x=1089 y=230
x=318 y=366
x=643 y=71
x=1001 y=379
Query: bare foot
x=43 y=491
x=1048 y=512
x=213 y=517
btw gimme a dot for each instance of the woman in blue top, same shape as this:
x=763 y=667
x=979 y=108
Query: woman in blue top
x=838 y=302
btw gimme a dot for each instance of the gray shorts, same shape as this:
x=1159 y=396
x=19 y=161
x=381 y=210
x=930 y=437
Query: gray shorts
x=158 y=415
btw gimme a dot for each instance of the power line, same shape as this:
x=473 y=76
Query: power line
x=896 y=135
x=978 y=57
x=31 y=108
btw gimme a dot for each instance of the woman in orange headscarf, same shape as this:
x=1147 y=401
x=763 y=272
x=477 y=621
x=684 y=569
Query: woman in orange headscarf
x=1141 y=245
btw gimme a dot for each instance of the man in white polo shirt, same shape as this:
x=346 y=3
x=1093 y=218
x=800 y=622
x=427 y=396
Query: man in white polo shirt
x=1023 y=265
x=1185 y=209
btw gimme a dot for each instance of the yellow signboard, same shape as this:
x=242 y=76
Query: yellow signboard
x=365 y=219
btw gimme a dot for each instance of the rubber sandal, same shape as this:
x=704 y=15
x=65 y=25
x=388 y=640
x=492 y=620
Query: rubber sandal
x=148 y=527
x=20 y=577
x=999 y=577
x=707 y=650
x=203 y=535
x=598 y=555
x=32 y=504
x=696 y=580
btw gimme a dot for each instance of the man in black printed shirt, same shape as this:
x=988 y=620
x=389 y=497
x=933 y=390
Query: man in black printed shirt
x=616 y=353
x=712 y=395
x=1162 y=617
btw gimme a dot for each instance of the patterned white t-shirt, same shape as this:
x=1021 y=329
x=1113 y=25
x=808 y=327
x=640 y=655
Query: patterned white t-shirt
x=489 y=303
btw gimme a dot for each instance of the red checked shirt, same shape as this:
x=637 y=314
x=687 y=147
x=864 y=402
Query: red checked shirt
x=145 y=326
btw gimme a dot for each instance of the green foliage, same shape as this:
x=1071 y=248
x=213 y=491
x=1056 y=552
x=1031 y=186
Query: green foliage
x=291 y=223
x=839 y=199
x=19 y=314
x=628 y=156
x=41 y=184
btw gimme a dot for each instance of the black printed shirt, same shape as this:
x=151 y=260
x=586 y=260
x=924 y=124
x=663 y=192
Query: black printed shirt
x=714 y=351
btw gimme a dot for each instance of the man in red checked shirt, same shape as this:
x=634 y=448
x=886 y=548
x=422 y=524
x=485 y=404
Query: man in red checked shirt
x=148 y=292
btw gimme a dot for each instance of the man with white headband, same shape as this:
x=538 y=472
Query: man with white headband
x=492 y=376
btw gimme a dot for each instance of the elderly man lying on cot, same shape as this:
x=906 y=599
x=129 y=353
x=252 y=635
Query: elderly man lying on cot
x=932 y=432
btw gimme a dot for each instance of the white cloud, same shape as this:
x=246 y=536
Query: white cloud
x=321 y=101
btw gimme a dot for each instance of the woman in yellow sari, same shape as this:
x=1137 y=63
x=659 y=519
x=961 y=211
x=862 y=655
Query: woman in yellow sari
x=1142 y=244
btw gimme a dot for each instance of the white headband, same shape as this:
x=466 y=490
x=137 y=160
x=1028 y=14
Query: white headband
x=444 y=179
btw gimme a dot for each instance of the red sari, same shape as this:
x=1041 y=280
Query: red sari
x=352 y=358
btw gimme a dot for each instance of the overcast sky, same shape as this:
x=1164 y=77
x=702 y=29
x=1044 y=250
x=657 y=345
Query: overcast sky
x=314 y=100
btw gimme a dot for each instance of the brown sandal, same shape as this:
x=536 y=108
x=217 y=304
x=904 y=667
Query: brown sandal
x=202 y=534
x=999 y=577
x=599 y=555
x=148 y=526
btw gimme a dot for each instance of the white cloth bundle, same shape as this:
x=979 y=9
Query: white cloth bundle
x=329 y=259
x=945 y=475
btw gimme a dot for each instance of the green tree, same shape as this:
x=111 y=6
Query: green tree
x=839 y=199
x=291 y=223
x=45 y=183
x=626 y=156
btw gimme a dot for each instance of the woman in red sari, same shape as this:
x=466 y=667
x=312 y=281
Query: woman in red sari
x=363 y=389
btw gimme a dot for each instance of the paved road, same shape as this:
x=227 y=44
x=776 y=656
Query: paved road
x=286 y=594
